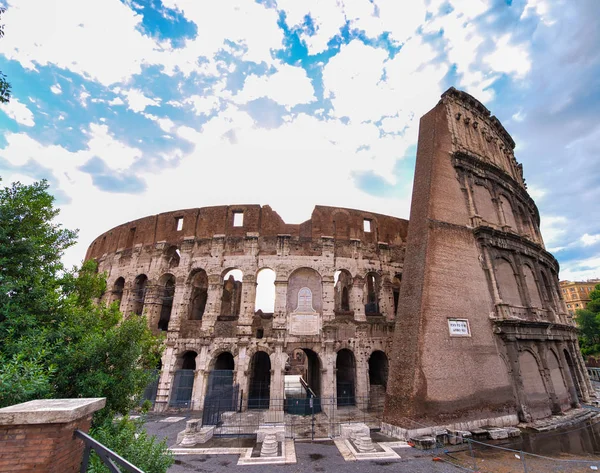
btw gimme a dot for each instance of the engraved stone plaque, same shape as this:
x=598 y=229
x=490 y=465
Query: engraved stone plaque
x=304 y=320
x=459 y=328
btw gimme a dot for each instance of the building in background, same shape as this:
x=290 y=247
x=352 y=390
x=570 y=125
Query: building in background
x=577 y=293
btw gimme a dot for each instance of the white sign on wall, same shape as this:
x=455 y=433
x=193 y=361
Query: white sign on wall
x=459 y=328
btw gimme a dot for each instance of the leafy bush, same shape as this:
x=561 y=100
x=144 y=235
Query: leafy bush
x=128 y=438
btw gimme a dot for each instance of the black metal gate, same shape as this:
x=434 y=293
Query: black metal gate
x=183 y=385
x=221 y=396
x=151 y=389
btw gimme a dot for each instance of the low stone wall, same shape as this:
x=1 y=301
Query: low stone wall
x=37 y=436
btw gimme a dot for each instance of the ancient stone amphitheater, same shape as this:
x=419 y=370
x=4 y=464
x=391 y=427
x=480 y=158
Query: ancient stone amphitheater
x=461 y=301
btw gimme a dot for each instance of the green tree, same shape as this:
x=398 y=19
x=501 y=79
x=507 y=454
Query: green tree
x=588 y=322
x=55 y=340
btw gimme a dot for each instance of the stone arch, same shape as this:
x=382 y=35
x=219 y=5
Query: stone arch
x=484 y=203
x=259 y=382
x=139 y=294
x=172 y=256
x=507 y=283
x=378 y=369
x=198 y=281
x=231 y=297
x=166 y=287
x=343 y=284
x=265 y=291
x=532 y=287
x=117 y=290
x=560 y=387
x=507 y=211
x=548 y=291
x=573 y=374
x=306 y=362
x=536 y=395
x=183 y=382
x=345 y=376
x=372 y=293
x=304 y=278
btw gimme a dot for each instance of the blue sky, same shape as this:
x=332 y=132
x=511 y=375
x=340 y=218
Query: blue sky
x=131 y=108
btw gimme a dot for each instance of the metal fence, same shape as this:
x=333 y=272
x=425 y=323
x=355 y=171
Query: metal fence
x=303 y=417
x=183 y=384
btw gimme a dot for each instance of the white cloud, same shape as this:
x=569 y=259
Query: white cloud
x=589 y=240
x=553 y=229
x=115 y=154
x=18 y=111
x=588 y=268
x=203 y=105
x=73 y=35
x=288 y=86
x=136 y=100
x=56 y=89
x=116 y=101
x=509 y=58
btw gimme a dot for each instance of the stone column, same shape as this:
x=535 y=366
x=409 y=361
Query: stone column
x=280 y=310
x=362 y=380
x=515 y=370
x=241 y=372
x=327 y=282
x=247 y=304
x=37 y=436
x=200 y=379
x=213 y=301
x=276 y=394
x=328 y=385
x=357 y=304
x=179 y=308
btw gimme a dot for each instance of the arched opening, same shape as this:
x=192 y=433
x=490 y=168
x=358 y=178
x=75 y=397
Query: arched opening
x=538 y=401
x=345 y=378
x=183 y=383
x=378 y=375
x=225 y=361
x=560 y=388
x=549 y=292
x=378 y=369
x=509 y=215
x=574 y=379
x=117 y=291
x=507 y=283
x=396 y=282
x=532 y=288
x=139 y=294
x=260 y=381
x=222 y=394
x=166 y=301
x=265 y=291
x=372 y=286
x=232 y=293
x=173 y=256
x=486 y=208
x=198 y=295
x=343 y=289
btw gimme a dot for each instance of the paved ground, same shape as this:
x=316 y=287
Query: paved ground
x=322 y=456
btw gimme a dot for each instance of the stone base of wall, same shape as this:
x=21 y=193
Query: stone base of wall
x=406 y=434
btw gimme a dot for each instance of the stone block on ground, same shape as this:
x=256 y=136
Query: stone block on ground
x=456 y=437
x=264 y=430
x=194 y=433
x=269 y=446
x=513 y=432
x=352 y=429
x=479 y=434
x=497 y=433
x=424 y=442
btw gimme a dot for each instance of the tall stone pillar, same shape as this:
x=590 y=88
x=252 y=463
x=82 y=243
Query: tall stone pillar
x=357 y=304
x=280 y=310
x=213 y=301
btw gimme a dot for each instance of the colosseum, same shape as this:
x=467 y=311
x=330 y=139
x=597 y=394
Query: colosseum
x=451 y=316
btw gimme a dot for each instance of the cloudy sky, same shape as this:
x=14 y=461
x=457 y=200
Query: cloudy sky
x=135 y=107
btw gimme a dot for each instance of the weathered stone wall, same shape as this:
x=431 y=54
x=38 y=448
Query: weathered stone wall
x=199 y=256
x=475 y=262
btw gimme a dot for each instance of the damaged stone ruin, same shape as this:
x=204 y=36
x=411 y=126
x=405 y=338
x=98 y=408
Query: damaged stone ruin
x=452 y=319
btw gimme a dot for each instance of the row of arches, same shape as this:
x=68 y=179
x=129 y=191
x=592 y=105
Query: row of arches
x=526 y=284
x=369 y=288
x=303 y=362
x=498 y=207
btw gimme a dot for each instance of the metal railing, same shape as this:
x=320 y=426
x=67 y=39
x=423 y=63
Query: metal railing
x=112 y=460
x=593 y=373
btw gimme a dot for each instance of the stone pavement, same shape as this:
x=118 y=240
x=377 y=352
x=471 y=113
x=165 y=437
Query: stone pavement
x=319 y=456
